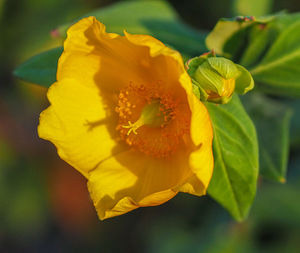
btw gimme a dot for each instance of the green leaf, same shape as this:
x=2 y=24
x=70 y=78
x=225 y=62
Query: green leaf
x=278 y=72
x=40 y=69
x=295 y=123
x=230 y=36
x=227 y=37
x=260 y=38
x=235 y=147
x=244 y=82
x=156 y=18
x=272 y=121
x=253 y=7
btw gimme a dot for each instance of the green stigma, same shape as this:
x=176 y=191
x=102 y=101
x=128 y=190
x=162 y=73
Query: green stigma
x=152 y=115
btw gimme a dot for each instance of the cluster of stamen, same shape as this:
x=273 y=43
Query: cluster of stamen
x=151 y=119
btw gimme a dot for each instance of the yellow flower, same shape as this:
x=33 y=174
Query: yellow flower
x=123 y=114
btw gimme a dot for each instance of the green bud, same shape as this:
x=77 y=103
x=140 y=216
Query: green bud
x=216 y=78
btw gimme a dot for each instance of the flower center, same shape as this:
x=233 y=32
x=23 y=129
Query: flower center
x=153 y=115
x=160 y=121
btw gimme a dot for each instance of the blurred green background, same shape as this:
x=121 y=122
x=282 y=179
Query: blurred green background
x=44 y=203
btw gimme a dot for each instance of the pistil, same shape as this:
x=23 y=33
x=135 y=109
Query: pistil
x=152 y=115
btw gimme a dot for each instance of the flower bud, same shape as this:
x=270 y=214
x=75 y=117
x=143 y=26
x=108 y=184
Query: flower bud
x=216 y=78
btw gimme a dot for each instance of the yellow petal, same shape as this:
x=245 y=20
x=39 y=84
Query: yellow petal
x=201 y=159
x=193 y=186
x=94 y=57
x=156 y=47
x=166 y=64
x=78 y=124
x=131 y=179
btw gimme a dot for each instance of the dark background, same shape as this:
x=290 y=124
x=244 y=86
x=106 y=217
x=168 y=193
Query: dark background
x=44 y=203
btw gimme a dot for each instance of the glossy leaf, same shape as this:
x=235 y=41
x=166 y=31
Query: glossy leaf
x=230 y=36
x=260 y=38
x=40 y=69
x=278 y=71
x=236 y=158
x=272 y=121
x=252 y=8
x=227 y=37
